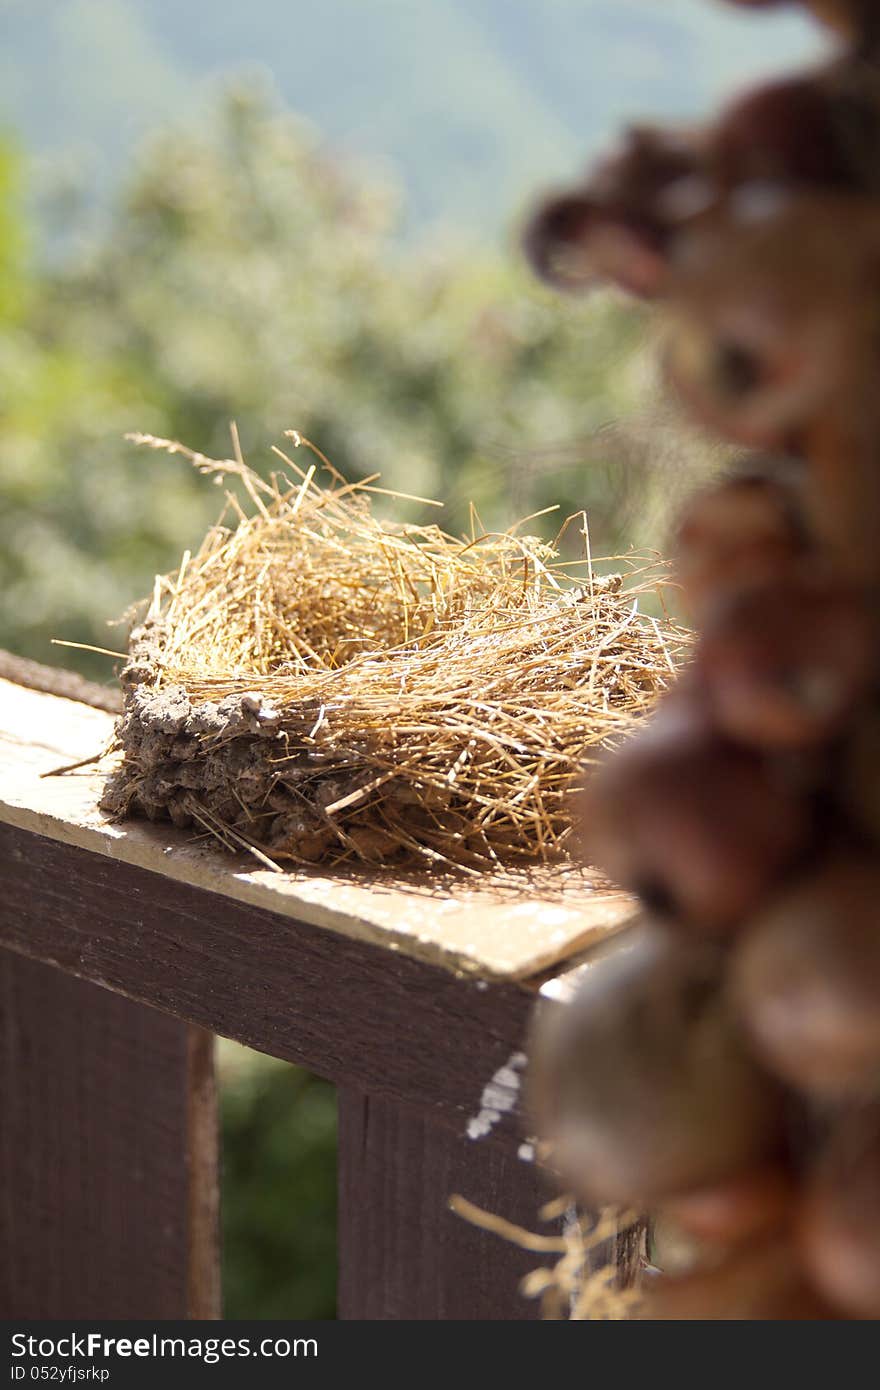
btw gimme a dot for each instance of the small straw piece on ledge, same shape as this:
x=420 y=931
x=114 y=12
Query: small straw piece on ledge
x=316 y=684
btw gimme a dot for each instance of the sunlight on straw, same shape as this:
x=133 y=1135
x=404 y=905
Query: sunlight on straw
x=433 y=696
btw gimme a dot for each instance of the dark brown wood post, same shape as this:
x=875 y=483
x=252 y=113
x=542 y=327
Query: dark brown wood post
x=108 y=1154
x=402 y=1253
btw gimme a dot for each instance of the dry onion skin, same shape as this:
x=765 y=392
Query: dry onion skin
x=641 y=1084
x=747 y=810
x=806 y=978
x=758 y=1282
x=839 y=1228
x=746 y=531
x=699 y=827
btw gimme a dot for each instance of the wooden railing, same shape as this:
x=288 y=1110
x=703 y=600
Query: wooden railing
x=125 y=949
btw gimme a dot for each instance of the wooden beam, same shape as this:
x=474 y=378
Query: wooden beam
x=108 y=1154
x=54 y=680
x=349 y=1010
x=510 y=928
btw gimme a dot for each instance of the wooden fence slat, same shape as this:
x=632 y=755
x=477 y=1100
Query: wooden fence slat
x=108 y=1154
x=402 y=1253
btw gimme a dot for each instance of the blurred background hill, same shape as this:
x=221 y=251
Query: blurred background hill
x=472 y=103
x=304 y=216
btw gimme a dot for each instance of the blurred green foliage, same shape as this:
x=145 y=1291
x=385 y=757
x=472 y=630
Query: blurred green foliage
x=279 y=1188
x=244 y=274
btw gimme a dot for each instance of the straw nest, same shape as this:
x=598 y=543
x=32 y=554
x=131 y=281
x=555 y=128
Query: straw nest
x=316 y=684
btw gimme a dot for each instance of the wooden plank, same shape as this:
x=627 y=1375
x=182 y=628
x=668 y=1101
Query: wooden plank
x=351 y=1011
x=508 y=930
x=108 y=1155
x=203 y=1287
x=402 y=1252
x=54 y=680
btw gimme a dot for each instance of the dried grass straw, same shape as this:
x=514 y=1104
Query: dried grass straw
x=316 y=684
x=593 y=1278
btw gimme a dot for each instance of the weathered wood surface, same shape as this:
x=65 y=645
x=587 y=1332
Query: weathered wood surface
x=402 y=1253
x=507 y=931
x=54 y=680
x=349 y=1010
x=108 y=1155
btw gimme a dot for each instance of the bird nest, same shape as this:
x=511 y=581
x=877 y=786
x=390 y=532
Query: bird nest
x=316 y=684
